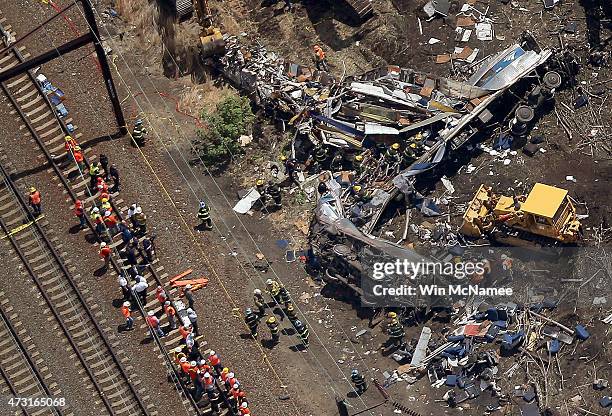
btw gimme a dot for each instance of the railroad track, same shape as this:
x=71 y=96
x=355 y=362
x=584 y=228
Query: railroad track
x=23 y=372
x=48 y=130
x=67 y=304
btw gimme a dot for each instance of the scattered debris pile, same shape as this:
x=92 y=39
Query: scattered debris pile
x=361 y=142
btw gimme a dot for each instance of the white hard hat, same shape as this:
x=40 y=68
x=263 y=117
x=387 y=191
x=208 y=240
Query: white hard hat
x=167 y=303
x=211 y=353
x=269 y=281
x=107 y=214
x=95 y=209
x=133 y=206
x=138 y=210
x=102 y=244
x=126 y=304
x=188 y=286
x=183 y=359
x=244 y=405
x=151 y=313
x=230 y=374
x=236 y=385
x=202 y=362
x=257 y=292
x=193 y=363
x=207 y=374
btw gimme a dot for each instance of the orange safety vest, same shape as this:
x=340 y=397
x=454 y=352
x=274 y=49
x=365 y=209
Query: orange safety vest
x=110 y=221
x=184 y=332
x=320 y=54
x=224 y=375
x=193 y=372
x=126 y=311
x=78 y=209
x=209 y=381
x=170 y=311
x=214 y=360
x=105 y=252
x=244 y=411
x=161 y=296
x=35 y=198
x=204 y=368
x=185 y=367
x=78 y=156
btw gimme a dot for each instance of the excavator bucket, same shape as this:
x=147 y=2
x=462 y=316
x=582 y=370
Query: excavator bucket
x=212 y=43
x=476 y=212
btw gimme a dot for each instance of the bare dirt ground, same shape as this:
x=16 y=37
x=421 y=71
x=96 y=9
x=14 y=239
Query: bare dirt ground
x=391 y=37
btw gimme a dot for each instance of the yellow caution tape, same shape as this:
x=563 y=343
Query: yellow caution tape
x=21 y=227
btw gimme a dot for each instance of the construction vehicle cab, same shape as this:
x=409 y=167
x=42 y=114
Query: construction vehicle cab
x=546 y=211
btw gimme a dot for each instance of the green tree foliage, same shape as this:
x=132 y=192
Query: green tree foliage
x=218 y=141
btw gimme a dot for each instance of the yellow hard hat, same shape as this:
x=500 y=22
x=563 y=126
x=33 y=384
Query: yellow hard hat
x=77 y=147
x=104 y=200
x=32 y=189
x=290 y=307
x=413 y=145
x=271 y=320
x=225 y=370
x=68 y=138
x=359 y=158
x=283 y=158
x=259 y=182
x=395 y=146
x=392 y=315
x=356 y=188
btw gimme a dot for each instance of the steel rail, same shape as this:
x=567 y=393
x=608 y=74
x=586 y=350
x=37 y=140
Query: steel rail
x=80 y=296
x=28 y=358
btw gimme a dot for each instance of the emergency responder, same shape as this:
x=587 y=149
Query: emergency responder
x=215 y=361
x=273 y=288
x=396 y=334
x=138 y=134
x=320 y=59
x=125 y=289
x=193 y=318
x=274 y=329
x=275 y=193
x=408 y=155
x=149 y=249
x=392 y=155
x=35 y=201
x=360 y=194
x=252 y=321
x=337 y=162
x=291 y=166
x=105 y=253
x=69 y=144
x=94 y=172
x=260 y=186
x=302 y=331
x=79 y=212
x=114 y=174
x=320 y=157
x=127 y=314
x=188 y=295
x=170 y=314
x=358 y=164
x=284 y=297
x=104 y=165
x=140 y=221
x=260 y=302
x=204 y=216
x=359 y=381
x=291 y=314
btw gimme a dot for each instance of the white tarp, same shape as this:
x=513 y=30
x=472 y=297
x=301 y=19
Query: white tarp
x=246 y=203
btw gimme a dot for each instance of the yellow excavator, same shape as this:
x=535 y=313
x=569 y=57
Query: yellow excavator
x=546 y=213
x=211 y=38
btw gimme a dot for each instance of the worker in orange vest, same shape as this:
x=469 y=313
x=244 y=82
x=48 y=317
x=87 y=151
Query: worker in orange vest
x=105 y=253
x=127 y=314
x=320 y=60
x=69 y=143
x=185 y=366
x=185 y=331
x=79 y=211
x=110 y=220
x=35 y=201
x=171 y=314
x=78 y=157
x=215 y=361
x=101 y=186
x=244 y=409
